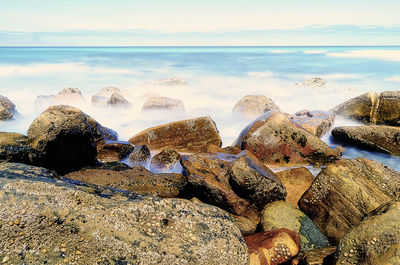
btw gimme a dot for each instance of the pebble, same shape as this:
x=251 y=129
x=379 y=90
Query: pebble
x=44 y=250
x=5 y=259
x=78 y=252
x=17 y=221
x=63 y=245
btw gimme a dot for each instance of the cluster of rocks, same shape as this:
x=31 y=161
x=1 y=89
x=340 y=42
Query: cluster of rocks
x=66 y=197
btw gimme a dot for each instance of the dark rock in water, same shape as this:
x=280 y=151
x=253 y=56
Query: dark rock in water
x=251 y=106
x=317 y=122
x=280 y=214
x=63 y=139
x=193 y=135
x=163 y=103
x=47 y=221
x=165 y=160
x=118 y=100
x=277 y=141
x=321 y=256
x=212 y=148
x=140 y=155
x=14 y=147
x=7 y=108
x=273 y=247
x=345 y=191
x=100 y=132
x=113 y=151
x=137 y=180
x=381 y=138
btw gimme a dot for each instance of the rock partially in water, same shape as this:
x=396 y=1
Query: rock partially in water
x=277 y=141
x=317 y=122
x=313 y=82
x=375 y=240
x=252 y=106
x=14 y=147
x=378 y=138
x=163 y=103
x=140 y=156
x=7 y=108
x=345 y=191
x=388 y=111
x=99 y=100
x=172 y=81
x=117 y=100
x=113 y=151
x=106 y=92
x=165 y=160
x=193 y=135
x=70 y=94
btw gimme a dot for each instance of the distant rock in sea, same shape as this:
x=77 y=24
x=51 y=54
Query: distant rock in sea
x=7 y=108
x=313 y=82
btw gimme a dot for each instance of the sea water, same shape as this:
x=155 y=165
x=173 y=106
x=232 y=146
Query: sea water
x=217 y=77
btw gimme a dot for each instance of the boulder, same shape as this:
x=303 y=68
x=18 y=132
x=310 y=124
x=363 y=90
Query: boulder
x=375 y=240
x=101 y=133
x=273 y=247
x=252 y=106
x=52 y=222
x=193 y=135
x=137 y=180
x=212 y=148
x=140 y=156
x=117 y=100
x=246 y=225
x=296 y=181
x=317 y=122
x=163 y=103
x=14 y=147
x=388 y=110
x=277 y=141
x=378 y=138
x=63 y=139
x=314 y=82
x=70 y=94
x=280 y=214
x=113 y=151
x=7 y=108
x=345 y=191
x=106 y=92
x=166 y=160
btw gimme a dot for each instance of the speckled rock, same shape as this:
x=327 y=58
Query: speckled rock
x=277 y=141
x=321 y=256
x=7 y=108
x=137 y=180
x=317 y=122
x=252 y=106
x=193 y=135
x=14 y=147
x=273 y=247
x=163 y=103
x=345 y=191
x=212 y=148
x=117 y=100
x=280 y=214
x=376 y=240
x=378 y=138
x=113 y=151
x=140 y=156
x=49 y=221
x=166 y=160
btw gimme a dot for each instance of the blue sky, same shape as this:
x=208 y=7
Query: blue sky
x=188 y=22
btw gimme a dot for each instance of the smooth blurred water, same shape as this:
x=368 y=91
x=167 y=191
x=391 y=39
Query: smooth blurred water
x=217 y=78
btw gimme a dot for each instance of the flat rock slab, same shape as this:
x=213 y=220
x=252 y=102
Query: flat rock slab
x=317 y=122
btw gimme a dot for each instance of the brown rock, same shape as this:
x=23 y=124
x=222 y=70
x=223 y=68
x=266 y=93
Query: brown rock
x=163 y=103
x=247 y=226
x=113 y=151
x=277 y=141
x=361 y=108
x=140 y=156
x=321 y=256
x=316 y=122
x=273 y=247
x=137 y=180
x=14 y=147
x=296 y=181
x=193 y=135
x=165 y=160
x=388 y=111
x=212 y=148
x=345 y=191
x=7 y=108
x=252 y=106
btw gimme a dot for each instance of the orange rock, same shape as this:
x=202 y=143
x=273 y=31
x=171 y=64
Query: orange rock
x=212 y=148
x=114 y=151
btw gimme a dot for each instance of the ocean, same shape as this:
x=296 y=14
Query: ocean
x=217 y=77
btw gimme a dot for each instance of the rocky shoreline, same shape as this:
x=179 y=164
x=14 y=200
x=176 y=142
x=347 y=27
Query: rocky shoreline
x=71 y=193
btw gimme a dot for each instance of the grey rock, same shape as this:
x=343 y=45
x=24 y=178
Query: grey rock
x=140 y=156
x=7 y=108
x=252 y=106
x=163 y=103
x=117 y=100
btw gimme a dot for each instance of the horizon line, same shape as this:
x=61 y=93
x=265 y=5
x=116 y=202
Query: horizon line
x=187 y=46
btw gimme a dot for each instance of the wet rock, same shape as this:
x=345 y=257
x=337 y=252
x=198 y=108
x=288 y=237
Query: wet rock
x=193 y=135
x=252 y=106
x=63 y=139
x=137 y=180
x=100 y=132
x=54 y=222
x=140 y=155
x=7 y=108
x=277 y=141
x=296 y=182
x=113 y=151
x=113 y=165
x=273 y=247
x=378 y=138
x=388 y=110
x=212 y=148
x=163 y=103
x=14 y=147
x=165 y=160
x=117 y=100
x=317 y=122
x=17 y=170
x=280 y=214
x=375 y=240
x=345 y=191
x=321 y=256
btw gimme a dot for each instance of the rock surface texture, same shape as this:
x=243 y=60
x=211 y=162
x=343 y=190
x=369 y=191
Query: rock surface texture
x=252 y=106
x=113 y=151
x=163 y=103
x=317 y=122
x=14 y=147
x=7 y=108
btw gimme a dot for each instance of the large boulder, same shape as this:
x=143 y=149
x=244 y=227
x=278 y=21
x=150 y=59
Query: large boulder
x=63 y=139
x=252 y=106
x=388 y=111
x=277 y=141
x=193 y=135
x=380 y=138
x=375 y=240
x=344 y=192
x=163 y=103
x=7 y=108
x=317 y=122
x=44 y=221
x=14 y=147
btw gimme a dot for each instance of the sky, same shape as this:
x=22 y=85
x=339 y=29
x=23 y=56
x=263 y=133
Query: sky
x=205 y=22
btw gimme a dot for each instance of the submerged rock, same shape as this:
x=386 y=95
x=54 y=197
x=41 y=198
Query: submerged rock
x=251 y=106
x=70 y=94
x=14 y=147
x=313 y=82
x=172 y=81
x=7 y=108
x=317 y=122
x=140 y=155
x=113 y=151
x=163 y=103
x=165 y=160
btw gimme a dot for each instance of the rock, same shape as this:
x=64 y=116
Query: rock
x=59 y=223
x=273 y=247
x=375 y=240
x=212 y=148
x=296 y=181
x=317 y=122
x=313 y=82
x=171 y=82
x=117 y=100
x=252 y=106
x=345 y=191
x=166 y=160
x=7 y=108
x=321 y=256
x=277 y=141
x=137 y=180
x=70 y=93
x=280 y=214
x=14 y=147
x=113 y=165
x=163 y=103
x=100 y=132
x=193 y=135
x=388 y=109
x=107 y=92
x=113 y=151
x=246 y=225
x=17 y=170
x=99 y=100
x=63 y=139
x=140 y=156
x=378 y=138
